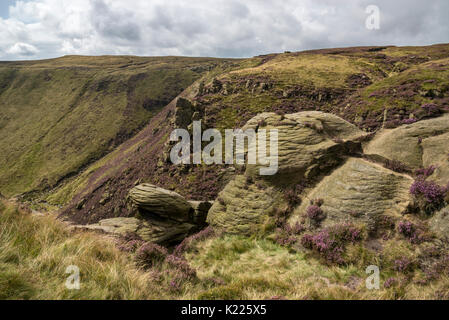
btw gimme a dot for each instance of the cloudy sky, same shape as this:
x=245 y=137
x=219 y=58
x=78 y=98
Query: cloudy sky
x=36 y=29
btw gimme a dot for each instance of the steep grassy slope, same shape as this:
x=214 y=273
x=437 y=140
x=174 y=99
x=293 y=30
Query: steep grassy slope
x=57 y=116
x=338 y=81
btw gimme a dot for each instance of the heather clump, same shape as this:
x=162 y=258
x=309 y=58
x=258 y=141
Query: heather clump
x=178 y=272
x=130 y=242
x=397 y=166
x=171 y=269
x=130 y=246
x=190 y=241
x=424 y=173
x=150 y=254
x=292 y=196
x=431 y=109
x=403 y=265
x=295 y=229
x=415 y=234
x=390 y=282
x=315 y=213
x=330 y=243
x=287 y=235
x=428 y=196
x=285 y=240
x=181 y=267
x=433 y=271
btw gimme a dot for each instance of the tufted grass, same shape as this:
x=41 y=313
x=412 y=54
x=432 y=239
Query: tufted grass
x=36 y=250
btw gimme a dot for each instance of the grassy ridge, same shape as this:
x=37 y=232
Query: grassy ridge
x=57 y=116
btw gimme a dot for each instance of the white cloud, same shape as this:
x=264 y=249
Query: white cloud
x=22 y=49
x=224 y=28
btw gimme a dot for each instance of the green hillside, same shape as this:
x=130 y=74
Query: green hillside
x=57 y=116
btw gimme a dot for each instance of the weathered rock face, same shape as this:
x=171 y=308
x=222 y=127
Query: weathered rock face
x=439 y=223
x=324 y=151
x=421 y=144
x=436 y=152
x=164 y=217
x=241 y=207
x=161 y=202
x=361 y=192
x=309 y=144
x=152 y=230
x=308 y=141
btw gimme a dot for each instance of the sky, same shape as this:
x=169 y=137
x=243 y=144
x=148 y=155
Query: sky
x=37 y=29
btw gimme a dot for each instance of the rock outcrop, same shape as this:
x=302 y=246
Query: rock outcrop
x=164 y=203
x=323 y=153
x=158 y=231
x=361 y=192
x=241 y=207
x=310 y=143
x=417 y=145
x=162 y=216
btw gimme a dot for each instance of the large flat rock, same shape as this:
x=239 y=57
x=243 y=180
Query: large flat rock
x=359 y=191
x=417 y=145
